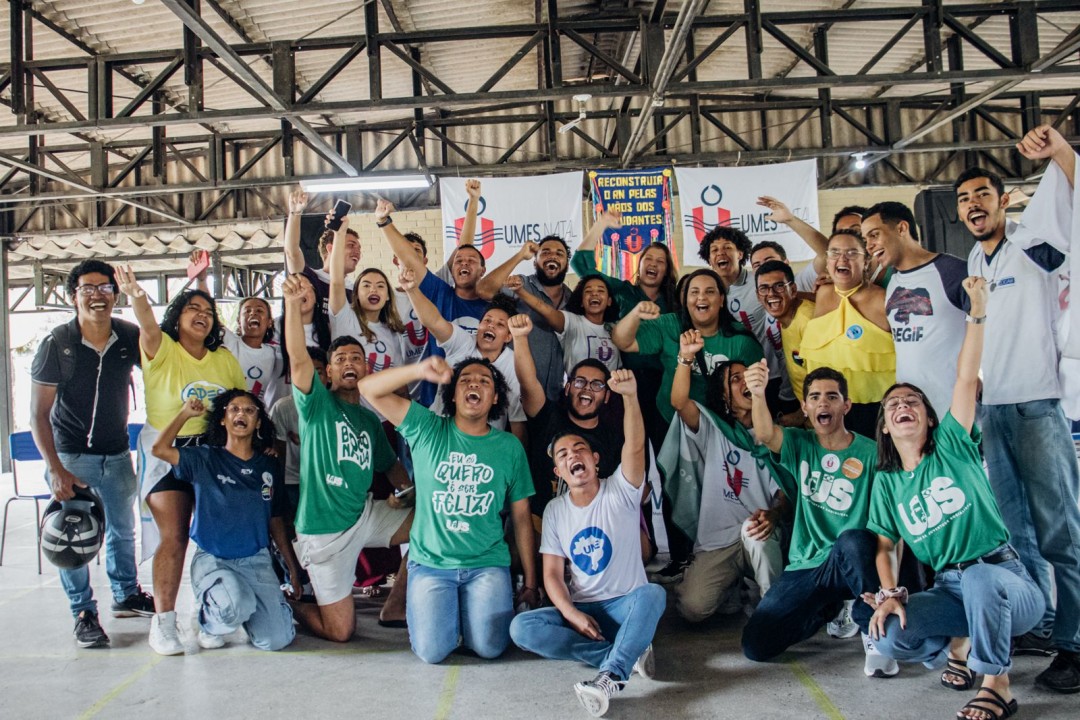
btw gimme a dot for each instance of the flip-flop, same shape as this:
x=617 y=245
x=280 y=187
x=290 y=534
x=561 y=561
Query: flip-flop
x=958 y=669
x=991 y=704
x=398 y=624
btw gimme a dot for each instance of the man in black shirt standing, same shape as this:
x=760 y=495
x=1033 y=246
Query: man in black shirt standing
x=79 y=413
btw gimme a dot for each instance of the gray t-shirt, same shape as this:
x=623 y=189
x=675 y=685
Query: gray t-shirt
x=544 y=344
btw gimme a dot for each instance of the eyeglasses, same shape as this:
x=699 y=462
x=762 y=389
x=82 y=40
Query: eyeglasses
x=249 y=410
x=774 y=289
x=90 y=290
x=579 y=383
x=909 y=400
x=850 y=253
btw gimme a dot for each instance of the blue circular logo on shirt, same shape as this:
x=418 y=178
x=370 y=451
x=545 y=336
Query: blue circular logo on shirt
x=733 y=457
x=591 y=551
x=854 y=332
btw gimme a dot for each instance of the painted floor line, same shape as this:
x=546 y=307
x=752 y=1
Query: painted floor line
x=449 y=689
x=116 y=691
x=44 y=583
x=831 y=711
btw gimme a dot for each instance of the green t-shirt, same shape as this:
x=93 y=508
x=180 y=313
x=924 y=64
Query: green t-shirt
x=341 y=446
x=462 y=482
x=832 y=495
x=944 y=509
x=661 y=337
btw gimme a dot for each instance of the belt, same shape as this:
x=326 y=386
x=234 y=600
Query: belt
x=997 y=557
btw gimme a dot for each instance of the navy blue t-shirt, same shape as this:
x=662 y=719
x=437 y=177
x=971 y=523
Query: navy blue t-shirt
x=466 y=314
x=234 y=499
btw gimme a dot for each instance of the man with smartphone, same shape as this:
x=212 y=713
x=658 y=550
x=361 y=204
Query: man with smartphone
x=294 y=256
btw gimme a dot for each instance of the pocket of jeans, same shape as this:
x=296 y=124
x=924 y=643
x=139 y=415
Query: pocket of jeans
x=1036 y=409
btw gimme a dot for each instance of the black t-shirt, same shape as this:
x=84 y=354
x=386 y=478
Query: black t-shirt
x=605 y=439
x=90 y=414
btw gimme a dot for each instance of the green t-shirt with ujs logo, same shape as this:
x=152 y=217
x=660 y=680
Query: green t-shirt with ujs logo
x=944 y=509
x=832 y=493
x=341 y=447
x=462 y=483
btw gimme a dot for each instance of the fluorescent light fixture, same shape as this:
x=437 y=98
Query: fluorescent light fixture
x=860 y=161
x=372 y=182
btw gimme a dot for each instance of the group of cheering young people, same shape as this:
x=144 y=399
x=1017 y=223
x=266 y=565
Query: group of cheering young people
x=819 y=439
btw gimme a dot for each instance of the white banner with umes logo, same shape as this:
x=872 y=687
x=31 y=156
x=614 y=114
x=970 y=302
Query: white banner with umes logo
x=513 y=211
x=728 y=196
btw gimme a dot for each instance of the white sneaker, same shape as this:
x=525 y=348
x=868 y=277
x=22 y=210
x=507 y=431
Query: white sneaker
x=594 y=694
x=210 y=642
x=646 y=664
x=877 y=665
x=842 y=626
x=164 y=635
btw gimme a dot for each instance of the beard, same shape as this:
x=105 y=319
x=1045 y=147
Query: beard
x=573 y=412
x=550 y=281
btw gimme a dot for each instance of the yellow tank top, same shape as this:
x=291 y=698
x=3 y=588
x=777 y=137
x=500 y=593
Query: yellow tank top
x=846 y=341
x=791 y=337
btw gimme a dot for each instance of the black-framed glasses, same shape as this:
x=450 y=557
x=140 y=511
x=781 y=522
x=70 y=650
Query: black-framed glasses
x=774 y=289
x=579 y=383
x=91 y=290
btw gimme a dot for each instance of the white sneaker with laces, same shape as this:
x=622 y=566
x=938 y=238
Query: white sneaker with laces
x=646 y=664
x=877 y=665
x=594 y=694
x=210 y=642
x=842 y=626
x=164 y=635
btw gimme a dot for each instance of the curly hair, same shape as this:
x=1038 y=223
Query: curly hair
x=217 y=435
x=725 y=232
x=507 y=303
x=388 y=314
x=269 y=334
x=170 y=322
x=502 y=392
x=718 y=390
x=85 y=268
x=576 y=302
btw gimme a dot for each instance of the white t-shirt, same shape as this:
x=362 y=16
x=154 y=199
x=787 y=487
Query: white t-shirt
x=414 y=339
x=286 y=426
x=383 y=352
x=743 y=303
x=261 y=365
x=460 y=346
x=736 y=485
x=806 y=278
x=602 y=540
x=582 y=339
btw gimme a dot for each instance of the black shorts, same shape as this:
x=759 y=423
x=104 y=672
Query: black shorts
x=170 y=481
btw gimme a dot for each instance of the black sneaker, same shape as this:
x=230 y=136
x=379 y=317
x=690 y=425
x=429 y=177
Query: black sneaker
x=1063 y=675
x=1031 y=644
x=670 y=573
x=137 y=604
x=88 y=632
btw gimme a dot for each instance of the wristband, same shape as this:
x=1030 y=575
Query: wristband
x=900 y=593
x=684 y=362
x=975 y=320
x=384 y=222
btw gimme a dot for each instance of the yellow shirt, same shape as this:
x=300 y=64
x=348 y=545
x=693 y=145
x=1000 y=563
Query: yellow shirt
x=174 y=375
x=791 y=337
x=846 y=341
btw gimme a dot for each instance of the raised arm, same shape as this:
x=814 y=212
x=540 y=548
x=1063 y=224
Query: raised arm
x=149 y=330
x=338 y=296
x=780 y=213
x=966 y=389
x=426 y=312
x=690 y=344
x=493 y=281
x=398 y=243
x=607 y=220
x=624 y=334
x=768 y=433
x=202 y=281
x=301 y=369
x=532 y=391
x=468 y=226
x=1045 y=142
x=294 y=256
x=163 y=446
x=633 y=449
x=553 y=317
x=381 y=388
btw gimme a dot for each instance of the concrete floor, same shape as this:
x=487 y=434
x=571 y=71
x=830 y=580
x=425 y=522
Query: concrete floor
x=700 y=671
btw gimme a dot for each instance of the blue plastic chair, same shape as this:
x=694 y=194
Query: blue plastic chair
x=23 y=449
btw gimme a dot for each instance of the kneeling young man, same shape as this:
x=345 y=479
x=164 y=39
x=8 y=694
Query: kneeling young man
x=239 y=503
x=608 y=616
x=466 y=472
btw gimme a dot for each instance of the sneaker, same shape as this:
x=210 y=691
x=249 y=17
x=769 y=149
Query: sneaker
x=877 y=665
x=88 y=631
x=210 y=642
x=1063 y=675
x=1032 y=644
x=164 y=635
x=670 y=573
x=137 y=604
x=842 y=626
x=646 y=664
x=594 y=694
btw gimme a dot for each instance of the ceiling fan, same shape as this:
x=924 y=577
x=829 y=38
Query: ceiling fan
x=581 y=100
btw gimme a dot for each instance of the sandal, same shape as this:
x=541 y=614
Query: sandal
x=990 y=705
x=958 y=669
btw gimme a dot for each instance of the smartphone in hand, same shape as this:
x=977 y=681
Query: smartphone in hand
x=341 y=209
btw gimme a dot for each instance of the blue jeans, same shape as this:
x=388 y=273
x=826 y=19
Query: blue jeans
x=988 y=603
x=113 y=480
x=472 y=607
x=627 y=623
x=1032 y=466
x=242 y=591
x=800 y=602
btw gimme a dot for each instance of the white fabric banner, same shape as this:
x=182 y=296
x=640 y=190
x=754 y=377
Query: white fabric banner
x=728 y=196
x=514 y=211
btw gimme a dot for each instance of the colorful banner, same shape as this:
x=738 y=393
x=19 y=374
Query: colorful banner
x=514 y=211
x=644 y=199
x=728 y=196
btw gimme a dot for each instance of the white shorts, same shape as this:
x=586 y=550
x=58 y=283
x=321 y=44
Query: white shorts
x=330 y=558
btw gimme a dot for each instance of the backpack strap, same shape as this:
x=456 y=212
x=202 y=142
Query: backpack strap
x=67 y=337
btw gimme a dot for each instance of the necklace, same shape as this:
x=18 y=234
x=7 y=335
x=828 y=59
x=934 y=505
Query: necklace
x=992 y=278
